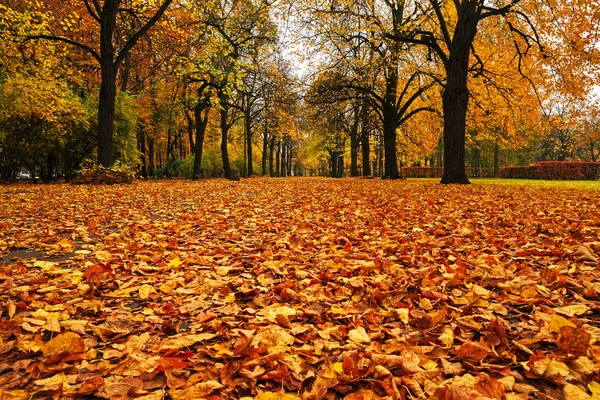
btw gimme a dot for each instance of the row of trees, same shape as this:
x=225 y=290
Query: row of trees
x=204 y=88
x=147 y=83
x=453 y=75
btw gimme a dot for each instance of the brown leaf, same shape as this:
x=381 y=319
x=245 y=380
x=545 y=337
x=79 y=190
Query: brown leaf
x=489 y=387
x=583 y=254
x=472 y=352
x=574 y=341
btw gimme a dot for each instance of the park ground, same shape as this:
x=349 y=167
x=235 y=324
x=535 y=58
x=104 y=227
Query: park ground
x=300 y=288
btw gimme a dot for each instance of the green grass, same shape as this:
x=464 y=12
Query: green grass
x=523 y=182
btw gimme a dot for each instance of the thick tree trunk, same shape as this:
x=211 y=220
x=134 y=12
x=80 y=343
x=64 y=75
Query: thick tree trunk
x=354 y=143
x=277 y=153
x=264 y=151
x=334 y=163
x=106 y=112
x=224 y=113
x=283 y=164
x=366 y=154
x=289 y=158
x=201 y=122
x=271 y=156
x=224 y=138
x=108 y=84
x=151 y=161
x=340 y=165
x=389 y=145
x=455 y=100
x=142 y=150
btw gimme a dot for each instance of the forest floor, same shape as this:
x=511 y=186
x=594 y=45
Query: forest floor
x=303 y=288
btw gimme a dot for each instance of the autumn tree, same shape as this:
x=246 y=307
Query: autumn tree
x=448 y=30
x=106 y=31
x=368 y=65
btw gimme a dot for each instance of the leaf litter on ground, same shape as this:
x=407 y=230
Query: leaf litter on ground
x=299 y=289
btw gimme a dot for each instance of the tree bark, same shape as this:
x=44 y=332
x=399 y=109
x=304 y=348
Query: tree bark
x=151 y=161
x=290 y=155
x=249 y=134
x=340 y=165
x=354 y=143
x=283 y=163
x=455 y=100
x=366 y=154
x=201 y=123
x=334 y=163
x=390 y=126
x=265 y=149
x=106 y=112
x=277 y=153
x=271 y=156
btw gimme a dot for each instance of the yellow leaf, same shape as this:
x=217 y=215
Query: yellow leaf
x=58 y=379
x=359 y=335
x=68 y=341
x=447 y=337
x=573 y=392
x=45 y=265
x=595 y=389
x=185 y=341
x=572 y=310
x=557 y=322
x=223 y=271
x=176 y=262
x=403 y=314
x=146 y=291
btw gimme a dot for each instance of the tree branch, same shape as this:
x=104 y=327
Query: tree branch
x=133 y=40
x=68 y=41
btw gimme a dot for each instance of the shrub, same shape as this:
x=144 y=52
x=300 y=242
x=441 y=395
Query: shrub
x=438 y=172
x=96 y=174
x=186 y=167
x=554 y=170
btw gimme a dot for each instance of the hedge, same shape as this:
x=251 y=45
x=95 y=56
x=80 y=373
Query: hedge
x=554 y=170
x=438 y=172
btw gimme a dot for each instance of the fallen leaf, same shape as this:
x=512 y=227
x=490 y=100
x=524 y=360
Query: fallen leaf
x=69 y=342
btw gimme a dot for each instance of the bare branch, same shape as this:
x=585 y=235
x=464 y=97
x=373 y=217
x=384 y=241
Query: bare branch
x=68 y=41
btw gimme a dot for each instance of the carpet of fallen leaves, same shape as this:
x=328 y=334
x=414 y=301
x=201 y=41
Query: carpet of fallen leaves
x=299 y=289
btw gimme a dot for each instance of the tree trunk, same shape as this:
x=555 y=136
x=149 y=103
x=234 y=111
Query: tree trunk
x=366 y=154
x=142 y=150
x=455 y=100
x=354 y=143
x=106 y=113
x=264 y=151
x=201 y=123
x=249 y=134
x=108 y=84
x=340 y=166
x=271 y=156
x=389 y=145
x=334 y=163
x=225 y=136
x=289 y=158
x=151 y=161
x=283 y=164
x=277 y=153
